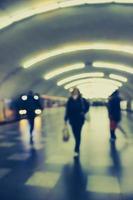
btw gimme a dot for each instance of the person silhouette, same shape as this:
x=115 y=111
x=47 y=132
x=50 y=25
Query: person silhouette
x=33 y=104
x=76 y=108
x=114 y=112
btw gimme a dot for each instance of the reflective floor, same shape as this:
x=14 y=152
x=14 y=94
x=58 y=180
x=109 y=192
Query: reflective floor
x=47 y=169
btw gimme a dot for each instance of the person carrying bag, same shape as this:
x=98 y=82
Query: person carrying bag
x=76 y=109
x=66 y=134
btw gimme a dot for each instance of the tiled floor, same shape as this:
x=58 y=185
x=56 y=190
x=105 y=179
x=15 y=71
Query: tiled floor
x=47 y=169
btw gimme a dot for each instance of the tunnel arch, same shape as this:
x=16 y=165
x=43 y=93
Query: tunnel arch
x=18 y=77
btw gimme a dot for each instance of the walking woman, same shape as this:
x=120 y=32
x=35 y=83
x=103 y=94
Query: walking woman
x=76 y=108
x=114 y=111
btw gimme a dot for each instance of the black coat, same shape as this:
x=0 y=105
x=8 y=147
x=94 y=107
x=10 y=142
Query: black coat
x=76 y=110
x=31 y=105
x=114 y=109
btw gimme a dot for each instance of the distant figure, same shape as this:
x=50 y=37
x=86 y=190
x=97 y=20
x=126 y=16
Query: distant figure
x=76 y=108
x=33 y=107
x=114 y=111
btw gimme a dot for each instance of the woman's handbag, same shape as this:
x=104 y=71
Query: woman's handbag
x=87 y=117
x=66 y=134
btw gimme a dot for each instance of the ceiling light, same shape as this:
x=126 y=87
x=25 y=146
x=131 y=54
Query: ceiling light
x=63 y=70
x=113 y=66
x=95 y=90
x=98 y=1
x=71 y=3
x=42 y=8
x=78 y=76
x=47 y=7
x=119 y=78
x=93 y=80
x=124 y=1
x=79 y=47
x=21 y=14
x=5 y=21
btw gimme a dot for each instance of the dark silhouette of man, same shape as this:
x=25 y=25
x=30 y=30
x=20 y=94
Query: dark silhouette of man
x=114 y=111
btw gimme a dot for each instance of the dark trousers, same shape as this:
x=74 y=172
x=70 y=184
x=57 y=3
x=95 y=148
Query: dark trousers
x=76 y=129
x=31 y=123
x=112 y=134
x=113 y=126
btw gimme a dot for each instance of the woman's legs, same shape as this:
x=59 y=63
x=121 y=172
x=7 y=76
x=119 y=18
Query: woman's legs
x=113 y=126
x=112 y=132
x=76 y=128
x=31 y=123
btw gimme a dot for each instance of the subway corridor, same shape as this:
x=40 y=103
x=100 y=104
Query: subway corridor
x=47 y=170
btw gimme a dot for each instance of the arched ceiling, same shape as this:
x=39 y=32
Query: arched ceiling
x=63 y=37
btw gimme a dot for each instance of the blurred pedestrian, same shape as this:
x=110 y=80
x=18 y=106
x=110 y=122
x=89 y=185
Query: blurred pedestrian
x=33 y=107
x=114 y=111
x=76 y=108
